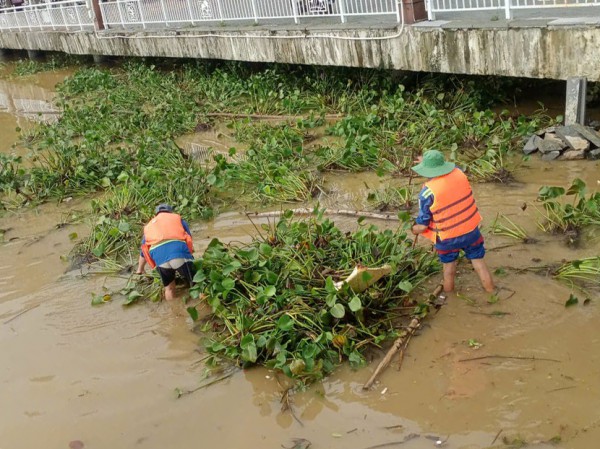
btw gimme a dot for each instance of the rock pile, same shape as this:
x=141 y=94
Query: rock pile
x=569 y=143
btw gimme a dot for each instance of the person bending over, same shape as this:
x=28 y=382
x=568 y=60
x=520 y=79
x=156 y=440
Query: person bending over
x=167 y=246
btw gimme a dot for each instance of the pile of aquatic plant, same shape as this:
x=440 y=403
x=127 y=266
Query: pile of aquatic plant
x=563 y=217
x=118 y=128
x=504 y=226
x=53 y=61
x=275 y=301
x=583 y=271
x=391 y=198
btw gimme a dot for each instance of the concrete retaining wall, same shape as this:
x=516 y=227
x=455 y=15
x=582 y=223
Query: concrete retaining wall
x=535 y=52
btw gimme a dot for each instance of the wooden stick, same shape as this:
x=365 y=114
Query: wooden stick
x=398 y=344
x=351 y=213
x=21 y=313
x=497 y=435
x=266 y=117
x=508 y=357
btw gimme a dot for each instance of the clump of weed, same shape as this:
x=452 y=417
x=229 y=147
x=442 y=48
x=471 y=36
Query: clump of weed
x=275 y=301
x=504 y=226
x=568 y=218
x=391 y=198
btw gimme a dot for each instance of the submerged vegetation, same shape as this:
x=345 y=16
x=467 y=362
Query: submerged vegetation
x=277 y=301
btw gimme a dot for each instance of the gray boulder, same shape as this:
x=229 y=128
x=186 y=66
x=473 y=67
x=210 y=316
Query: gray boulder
x=550 y=155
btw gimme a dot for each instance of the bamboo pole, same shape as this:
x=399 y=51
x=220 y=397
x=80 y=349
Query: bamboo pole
x=399 y=343
x=351 y=213
x=267 y=117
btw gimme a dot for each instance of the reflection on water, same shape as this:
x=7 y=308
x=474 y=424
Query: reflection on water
x=106 y=375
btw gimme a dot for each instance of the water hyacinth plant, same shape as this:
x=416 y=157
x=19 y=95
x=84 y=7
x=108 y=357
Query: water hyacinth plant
x=561 y=216
x=275 y=301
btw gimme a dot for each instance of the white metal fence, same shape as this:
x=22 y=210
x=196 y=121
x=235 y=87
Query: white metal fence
x=148 y=13
x=70 y=15
x=506 y=6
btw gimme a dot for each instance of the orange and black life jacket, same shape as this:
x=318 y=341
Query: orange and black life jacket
x=163 y=228
x=454 y=212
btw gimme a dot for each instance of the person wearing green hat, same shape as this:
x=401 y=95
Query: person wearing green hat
x=448 y=216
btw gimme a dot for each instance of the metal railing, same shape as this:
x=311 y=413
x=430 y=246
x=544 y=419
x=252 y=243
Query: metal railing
x=508 y=6
x=150 y=13
x=70 y=15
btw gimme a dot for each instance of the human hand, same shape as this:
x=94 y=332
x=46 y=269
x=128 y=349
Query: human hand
x=418 y=229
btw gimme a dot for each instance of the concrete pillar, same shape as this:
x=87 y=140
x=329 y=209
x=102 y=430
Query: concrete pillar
x=575 y=102
x=100 y=59
x=36 y=55
x=414 y=11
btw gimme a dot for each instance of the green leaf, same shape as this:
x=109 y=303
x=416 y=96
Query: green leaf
x=571 y=301
x=331 y=299
x=337 y=311
x=131 y=297
x=249 y=353
x=124 y=227
x=265 y=250
x=355 y=304
x=72 y=236
x=404 y=216
x=99 y=250
x=211 y=179
x=285 y=322
x=577 y=188
x=97 y=300
x=228 y=284
x=249 y=254
x=270 y=291
x=193 y=312
x=405 y=286
x=329 y=285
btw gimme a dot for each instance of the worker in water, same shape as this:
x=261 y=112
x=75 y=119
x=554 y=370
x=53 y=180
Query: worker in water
x=167 y=246
x=448 y=216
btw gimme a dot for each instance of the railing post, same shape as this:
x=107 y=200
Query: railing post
x=164 y=11
x=16 y=16
x=397 y=2
x=254 y=11
x=295 y=11
x=190 y=10
x=507 y=10
x=220 y=10
x=27 y=18
x=430 y=11
x=118 y=2
x=50 y=15
x=142 y=18
x=78 y=16
x=342 y=11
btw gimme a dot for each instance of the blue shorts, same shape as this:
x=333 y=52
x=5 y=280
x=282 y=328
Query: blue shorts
x=474 y=251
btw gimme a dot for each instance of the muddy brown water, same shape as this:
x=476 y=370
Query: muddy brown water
x=105 y=376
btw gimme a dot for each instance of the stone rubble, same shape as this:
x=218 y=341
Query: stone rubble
x=573 y=142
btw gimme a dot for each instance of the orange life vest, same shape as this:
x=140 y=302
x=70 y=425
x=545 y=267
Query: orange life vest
x=165 y=226
x=454 y=212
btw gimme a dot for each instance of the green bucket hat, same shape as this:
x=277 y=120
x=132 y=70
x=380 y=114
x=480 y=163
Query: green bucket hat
x=433 y=165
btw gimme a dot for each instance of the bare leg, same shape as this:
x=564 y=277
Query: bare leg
x=449 y=274
x=484 y=274
x=170 y=291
